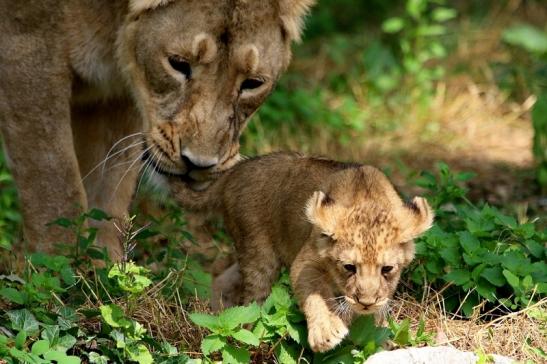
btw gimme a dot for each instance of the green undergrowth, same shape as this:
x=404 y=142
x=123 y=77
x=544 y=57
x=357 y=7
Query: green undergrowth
x=63 y=309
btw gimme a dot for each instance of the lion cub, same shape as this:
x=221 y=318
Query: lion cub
x=342 y=229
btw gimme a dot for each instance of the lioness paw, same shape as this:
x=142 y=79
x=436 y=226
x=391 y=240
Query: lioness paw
x=325 y=334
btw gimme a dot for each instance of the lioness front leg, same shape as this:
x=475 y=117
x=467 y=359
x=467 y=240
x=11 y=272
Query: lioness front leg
x=325 y=329
x=35 y=93
x=113 y=128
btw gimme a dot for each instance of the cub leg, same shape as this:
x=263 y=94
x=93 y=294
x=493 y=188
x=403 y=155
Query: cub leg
x=110 y=183
x=226 y=288
x=308 y=278
x=35 y=91
x=259 y=269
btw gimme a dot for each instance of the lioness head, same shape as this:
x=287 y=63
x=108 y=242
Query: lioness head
x=366 y=231
x=200 y=68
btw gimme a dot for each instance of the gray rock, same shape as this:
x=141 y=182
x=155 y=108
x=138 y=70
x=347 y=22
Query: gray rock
x=431 y=355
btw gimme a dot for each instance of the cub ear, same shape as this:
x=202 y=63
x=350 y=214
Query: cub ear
x=138 y=6
x=292 y=13
x=421 y=218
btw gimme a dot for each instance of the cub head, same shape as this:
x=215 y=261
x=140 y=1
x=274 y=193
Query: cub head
x=199 y=69
x=366 y=232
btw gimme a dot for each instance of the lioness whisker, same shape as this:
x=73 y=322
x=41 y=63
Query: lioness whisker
x=103 y=162
x=121 y=151
x=121 y=140
x=120 y=164
x=130 y=166
x=148 y=164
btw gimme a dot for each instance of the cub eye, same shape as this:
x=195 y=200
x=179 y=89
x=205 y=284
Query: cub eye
x=180 y=65
x=251 y=84
x=350 y=268
x=386 y=269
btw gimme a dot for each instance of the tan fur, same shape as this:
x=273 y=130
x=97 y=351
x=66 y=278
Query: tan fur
x=77 y=76
x=315 y=216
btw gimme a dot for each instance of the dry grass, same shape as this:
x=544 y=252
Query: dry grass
x=164 y=316
x=513 y=334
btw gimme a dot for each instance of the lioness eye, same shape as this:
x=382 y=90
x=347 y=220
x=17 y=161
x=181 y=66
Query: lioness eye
x=180 y=65
x=386 y=269
x=350 y=268
x=251 y=84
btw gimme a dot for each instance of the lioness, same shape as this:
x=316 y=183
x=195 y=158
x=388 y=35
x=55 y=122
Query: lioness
x=89 y=88
x=341 y=228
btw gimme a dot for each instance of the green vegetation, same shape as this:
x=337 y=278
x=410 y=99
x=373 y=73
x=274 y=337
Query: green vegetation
x=383 y=83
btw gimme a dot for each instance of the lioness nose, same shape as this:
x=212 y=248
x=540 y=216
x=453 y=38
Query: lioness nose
x=193 y=163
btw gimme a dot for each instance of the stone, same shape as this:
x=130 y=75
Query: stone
x=433 y=355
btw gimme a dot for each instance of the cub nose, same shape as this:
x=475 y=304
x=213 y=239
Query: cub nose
x=364 y=302
x=196 y=163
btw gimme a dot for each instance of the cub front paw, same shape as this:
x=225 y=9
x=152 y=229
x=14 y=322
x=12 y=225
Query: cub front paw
x=325 y=333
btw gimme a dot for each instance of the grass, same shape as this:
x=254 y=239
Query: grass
x=333 y=102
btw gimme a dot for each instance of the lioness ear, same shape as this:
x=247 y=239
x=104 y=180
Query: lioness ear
x=292 y=13
x=137 y=6
x=421 y=218
x=315 y=206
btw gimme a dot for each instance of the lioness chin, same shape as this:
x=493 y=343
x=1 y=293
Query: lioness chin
x=342 y=229
x=88 y=89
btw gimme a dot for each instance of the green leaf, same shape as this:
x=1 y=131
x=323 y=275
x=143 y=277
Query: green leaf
x=512 y=279
x=23 y=320
x=40 y=347
x=96 y=358
x=235 y=316
x=451 y=255
x=486 y=290
x=402 y=335
x=130 y=277
x=212 y=343
x=51 y=334
x=527 y=283
x=65 y=342
x=64 y=222
x=245 y=336
x=13 y=295
x=458 y=277
x=281 y=297
x=526 y=36
x=416 y=8
x=363 y=331
x=443 y=14
x=67 y=318
x=97 y=215
x=62 y=358
x=114 y=316
x=140 y=354
x=297 y=332
x=20 y=339
x=286 y=354
x=205 y=320
x=468 y=242
x=535 y=248
x=393 y=25
x=23 y=356
x=232 y=355
x=494 y=275
x=68 y=275
x=119 y=338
